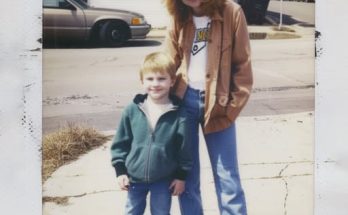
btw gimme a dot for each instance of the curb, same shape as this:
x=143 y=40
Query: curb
x=252 y=35
x=255 y=33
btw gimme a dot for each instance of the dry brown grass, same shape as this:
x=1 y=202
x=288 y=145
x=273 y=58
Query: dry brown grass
x=66 y=145
x=282 y=36
x=57 y=200
x=284 y=29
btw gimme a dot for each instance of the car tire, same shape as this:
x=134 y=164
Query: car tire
x=113 y=33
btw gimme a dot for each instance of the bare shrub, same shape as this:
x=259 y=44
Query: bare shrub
x=66 y=145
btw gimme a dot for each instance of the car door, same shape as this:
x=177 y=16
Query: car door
x=63 y=20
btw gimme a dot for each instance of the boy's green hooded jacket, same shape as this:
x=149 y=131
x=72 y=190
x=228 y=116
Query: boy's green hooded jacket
x=147 y=155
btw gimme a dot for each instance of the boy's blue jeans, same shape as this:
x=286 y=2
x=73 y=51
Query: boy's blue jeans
x=160 y=198
x=221 y=147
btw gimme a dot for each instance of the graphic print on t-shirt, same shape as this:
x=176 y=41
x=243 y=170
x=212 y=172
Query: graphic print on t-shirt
x=201 y=39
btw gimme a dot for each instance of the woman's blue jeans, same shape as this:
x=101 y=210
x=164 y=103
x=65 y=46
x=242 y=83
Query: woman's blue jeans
x=160 y=198
x=221 y=147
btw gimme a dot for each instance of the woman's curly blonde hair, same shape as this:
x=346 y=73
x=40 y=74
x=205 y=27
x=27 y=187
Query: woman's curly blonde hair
x=180 y=12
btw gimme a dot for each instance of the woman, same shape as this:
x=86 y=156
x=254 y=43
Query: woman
x=208 y=39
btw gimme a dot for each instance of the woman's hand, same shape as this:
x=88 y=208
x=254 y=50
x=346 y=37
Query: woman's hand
x=177 y=187
x=123 y=182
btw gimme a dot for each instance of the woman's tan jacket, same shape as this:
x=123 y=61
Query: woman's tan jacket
x=228 y=75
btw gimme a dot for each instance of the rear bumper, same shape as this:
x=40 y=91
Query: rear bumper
x=139 y=31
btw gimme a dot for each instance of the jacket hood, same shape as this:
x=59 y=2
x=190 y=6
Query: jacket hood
x=140 y=98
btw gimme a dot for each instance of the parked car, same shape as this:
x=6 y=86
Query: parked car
x=254 y=10
x=74 y=19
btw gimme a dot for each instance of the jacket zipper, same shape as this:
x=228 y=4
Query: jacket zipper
x=147 y=174
x=152 y=139
x=148 y=157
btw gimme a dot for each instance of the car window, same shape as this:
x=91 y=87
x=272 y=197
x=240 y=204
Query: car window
x=62 y=4
x=81 y=3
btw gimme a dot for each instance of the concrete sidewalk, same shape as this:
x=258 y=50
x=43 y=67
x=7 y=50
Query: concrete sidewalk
x=276 y=167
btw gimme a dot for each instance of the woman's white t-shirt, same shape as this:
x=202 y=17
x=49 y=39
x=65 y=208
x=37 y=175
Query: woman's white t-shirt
x=199 y=50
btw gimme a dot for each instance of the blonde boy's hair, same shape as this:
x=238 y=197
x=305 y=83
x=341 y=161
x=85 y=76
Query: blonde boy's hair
x=158 y=62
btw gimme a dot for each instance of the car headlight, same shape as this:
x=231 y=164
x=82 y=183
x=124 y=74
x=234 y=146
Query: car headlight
x=138 y=21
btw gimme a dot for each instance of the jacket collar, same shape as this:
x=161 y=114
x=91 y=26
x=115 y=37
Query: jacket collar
x=216 y=17
x=140 y=98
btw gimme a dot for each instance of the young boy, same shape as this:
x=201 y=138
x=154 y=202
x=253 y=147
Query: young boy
x=150 y=151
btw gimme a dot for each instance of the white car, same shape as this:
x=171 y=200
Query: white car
x=74 y=19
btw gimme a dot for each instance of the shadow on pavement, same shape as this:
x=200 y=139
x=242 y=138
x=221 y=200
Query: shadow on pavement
x=90 y=45
x=287 y=20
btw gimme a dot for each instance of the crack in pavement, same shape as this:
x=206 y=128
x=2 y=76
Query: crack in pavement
x=65 y=199
x=282 y=170
x=284 y=88
x=282 y=177
x=284 y=162
x=286 y=195
x=278 y=177
x=286 y=187
x=243 y=164
x=79 y=195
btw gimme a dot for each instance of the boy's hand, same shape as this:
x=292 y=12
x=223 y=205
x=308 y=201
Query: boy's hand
x=123 y=182
x=177 y=187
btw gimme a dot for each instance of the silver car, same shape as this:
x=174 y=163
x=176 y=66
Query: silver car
x=74 y=19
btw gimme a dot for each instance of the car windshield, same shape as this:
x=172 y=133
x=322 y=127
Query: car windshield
x=81 y=3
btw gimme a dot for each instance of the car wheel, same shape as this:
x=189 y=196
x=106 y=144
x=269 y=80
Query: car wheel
x=113 y=33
